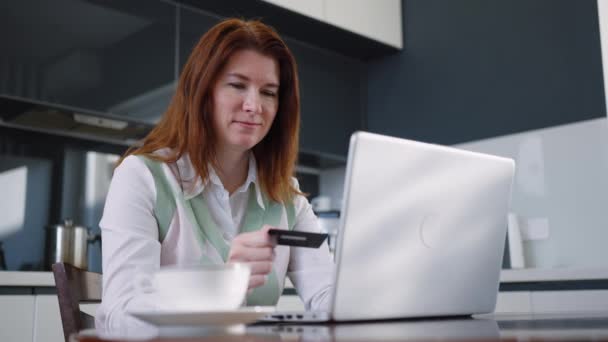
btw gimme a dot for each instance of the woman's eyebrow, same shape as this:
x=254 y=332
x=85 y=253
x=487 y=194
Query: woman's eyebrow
x=245 y=78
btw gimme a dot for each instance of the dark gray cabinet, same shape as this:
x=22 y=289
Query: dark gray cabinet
x=97 y=55
x=332 y=97
x=123 y=57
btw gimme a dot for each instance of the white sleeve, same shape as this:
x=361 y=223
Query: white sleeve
x=311 y=269
x=130 y=245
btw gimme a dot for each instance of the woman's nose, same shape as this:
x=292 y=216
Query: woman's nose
x=252 y=103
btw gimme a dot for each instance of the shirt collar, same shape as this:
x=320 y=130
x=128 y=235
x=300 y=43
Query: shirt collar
x=192 y=185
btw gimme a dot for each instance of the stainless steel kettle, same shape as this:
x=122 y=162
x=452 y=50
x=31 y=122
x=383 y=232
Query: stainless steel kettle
x=66 y=242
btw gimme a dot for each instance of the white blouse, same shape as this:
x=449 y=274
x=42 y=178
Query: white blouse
x=131 y=243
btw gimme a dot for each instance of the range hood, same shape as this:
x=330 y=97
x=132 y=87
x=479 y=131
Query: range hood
x=66 y=121
x=60 y=120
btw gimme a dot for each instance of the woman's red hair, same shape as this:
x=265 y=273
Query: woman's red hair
x=186 y=126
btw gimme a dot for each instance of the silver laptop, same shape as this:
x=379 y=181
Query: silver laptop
x=422 y=232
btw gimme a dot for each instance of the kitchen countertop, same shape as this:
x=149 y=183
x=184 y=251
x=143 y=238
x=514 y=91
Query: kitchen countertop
x=27 y=278
x=552 y=274
x=45 y=279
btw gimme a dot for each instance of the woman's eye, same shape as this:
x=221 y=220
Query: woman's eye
x=237 y=85
x=269 y=93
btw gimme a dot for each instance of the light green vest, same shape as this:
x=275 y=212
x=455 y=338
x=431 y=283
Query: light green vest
x=198 y=214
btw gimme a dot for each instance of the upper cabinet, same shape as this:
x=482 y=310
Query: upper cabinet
x=312 y=8
x=377 y=20
x=100 y=55
x=106 y=70
x=361 y=29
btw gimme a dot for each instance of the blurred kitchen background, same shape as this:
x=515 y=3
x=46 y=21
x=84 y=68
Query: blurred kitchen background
x=81 y=80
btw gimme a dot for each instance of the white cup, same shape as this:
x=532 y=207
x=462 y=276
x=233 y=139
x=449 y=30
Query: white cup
x=197 y=288
x=321 y=203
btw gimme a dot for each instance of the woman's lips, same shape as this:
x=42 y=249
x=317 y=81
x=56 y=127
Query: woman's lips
x=248 y=124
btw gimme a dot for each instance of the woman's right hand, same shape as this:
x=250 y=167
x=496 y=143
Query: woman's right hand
x=257 y=250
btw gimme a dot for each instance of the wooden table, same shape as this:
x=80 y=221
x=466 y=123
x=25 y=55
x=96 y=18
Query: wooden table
x=548 y=327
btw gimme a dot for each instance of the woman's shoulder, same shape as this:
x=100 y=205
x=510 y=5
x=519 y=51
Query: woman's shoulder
x=139 y=161
x=132 y=169
x=132 y=180
x=133 y=164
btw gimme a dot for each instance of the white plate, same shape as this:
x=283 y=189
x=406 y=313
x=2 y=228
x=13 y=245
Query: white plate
x=203 y=318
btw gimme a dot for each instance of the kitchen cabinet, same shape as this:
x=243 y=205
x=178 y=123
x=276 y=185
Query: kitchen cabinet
x=17 y=313
x=36 y=317
x=124 y=58
x=30 y=318
x=378 y=20
x=332 y=99
x=26 y=316
x=96 y=55
x=193 y=24
x=308 y=22
x=312 y=8
x=47 y=319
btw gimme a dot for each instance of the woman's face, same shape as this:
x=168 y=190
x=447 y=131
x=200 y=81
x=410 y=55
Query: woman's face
x=245 y=100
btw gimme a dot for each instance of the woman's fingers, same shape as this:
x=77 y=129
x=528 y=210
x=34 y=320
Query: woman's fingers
x=257 y=281
x=259 y=273
x=253 y=246
x=263 y=267
x=242 y=253
x=258 y=238
x=257 y=250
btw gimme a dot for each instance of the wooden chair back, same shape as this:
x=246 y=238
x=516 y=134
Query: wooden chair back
x=75 y=286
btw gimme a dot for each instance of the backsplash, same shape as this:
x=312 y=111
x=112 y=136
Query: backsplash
x=24 y=209
x=46 y=179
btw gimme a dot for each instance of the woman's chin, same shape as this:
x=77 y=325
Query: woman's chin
x=244 y=144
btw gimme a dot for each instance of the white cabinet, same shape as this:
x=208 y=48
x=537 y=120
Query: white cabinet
x=514 y=302
x=30 y=318
x=561 y=302
x=16 y=317
x=311 y=8
x=47 y=319
x=379 y=20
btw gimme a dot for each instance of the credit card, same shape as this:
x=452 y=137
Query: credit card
x=298 y=239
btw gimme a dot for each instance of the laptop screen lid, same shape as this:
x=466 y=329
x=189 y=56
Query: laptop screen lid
x=423 y=229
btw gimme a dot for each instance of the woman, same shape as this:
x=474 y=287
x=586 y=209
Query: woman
x=214 y=175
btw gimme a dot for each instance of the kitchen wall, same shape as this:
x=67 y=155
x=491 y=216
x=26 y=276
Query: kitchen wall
x=332 y=185
x=25 y=184
x=516 y=78
x=559 y=193
x=474 y=69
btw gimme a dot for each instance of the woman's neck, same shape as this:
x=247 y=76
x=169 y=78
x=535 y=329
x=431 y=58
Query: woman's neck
x=233 y=167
